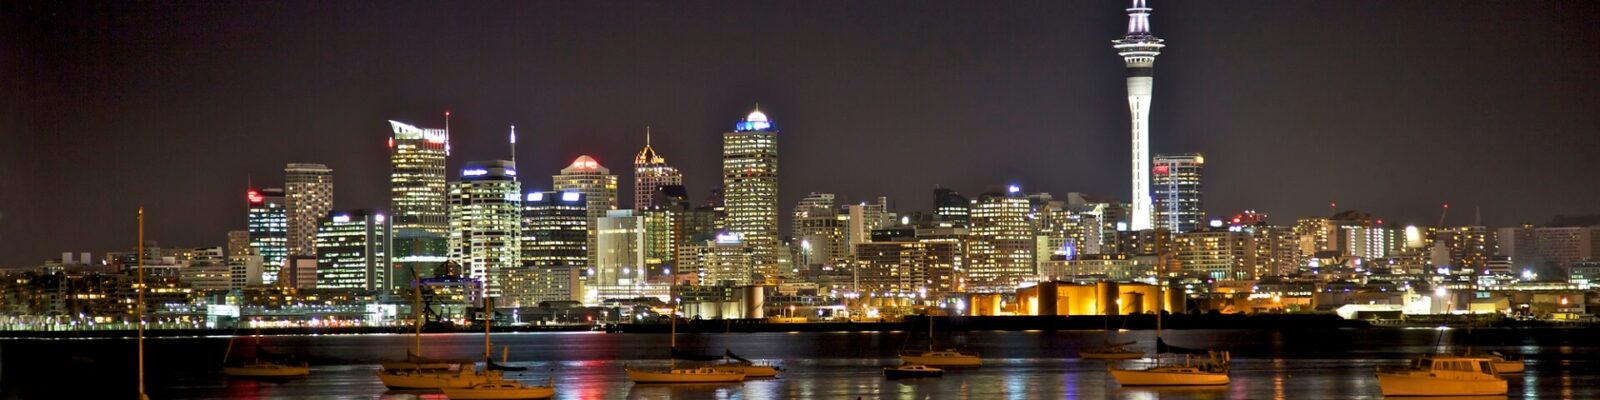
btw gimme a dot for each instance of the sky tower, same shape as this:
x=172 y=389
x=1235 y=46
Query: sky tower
x=1139 y=49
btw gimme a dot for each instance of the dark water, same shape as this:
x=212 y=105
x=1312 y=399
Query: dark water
x=1324 y=364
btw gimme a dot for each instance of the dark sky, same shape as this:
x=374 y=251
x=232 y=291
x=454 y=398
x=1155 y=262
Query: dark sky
x=1384 y=106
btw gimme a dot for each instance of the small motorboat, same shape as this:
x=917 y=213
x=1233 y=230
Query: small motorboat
x=503 y=389
x=1442 y=375
x=1504 y=364
x=912 y=371
x=1112 y=351
x=266 y=369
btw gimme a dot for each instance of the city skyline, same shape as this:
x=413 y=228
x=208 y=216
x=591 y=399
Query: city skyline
x=1047 y=136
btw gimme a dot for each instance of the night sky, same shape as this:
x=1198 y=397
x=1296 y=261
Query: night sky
x=1384 y=106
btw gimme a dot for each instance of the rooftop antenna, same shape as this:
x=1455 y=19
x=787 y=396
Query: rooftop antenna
x=447 y=133
x=1442 y=213
x=647 y=136
x=1477 y=214
x=513 y=144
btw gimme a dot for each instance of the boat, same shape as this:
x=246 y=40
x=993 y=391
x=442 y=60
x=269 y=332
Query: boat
x=1504 y=364
x=941 y=358
x=420 y=373
x=1177 y=366
x=266 y=369
x=673 y=374
x=505 y=389
x=1442 y=375
x=1110 y=350
x=750 y=368
x=912 y=371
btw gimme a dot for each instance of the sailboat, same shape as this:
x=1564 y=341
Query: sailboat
x=941 y=358
x=673 y=374
x=1177 y=366
x=417 y=372
x=264 y=365
x=1111 y=350
x=498 y=386
x=751 y=369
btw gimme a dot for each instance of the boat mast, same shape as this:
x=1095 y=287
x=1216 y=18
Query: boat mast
x=488 y=319
x=138 y=254
x=416 y=311
x=672 y=337
x=930 y=333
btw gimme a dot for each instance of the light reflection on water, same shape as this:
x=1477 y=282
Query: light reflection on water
x=1331 y=364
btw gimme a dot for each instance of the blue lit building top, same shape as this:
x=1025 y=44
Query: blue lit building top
x=489 y=170
x=756 y=121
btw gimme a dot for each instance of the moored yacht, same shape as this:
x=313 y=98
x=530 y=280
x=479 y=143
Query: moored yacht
x=941 y=358
x=1442 y=375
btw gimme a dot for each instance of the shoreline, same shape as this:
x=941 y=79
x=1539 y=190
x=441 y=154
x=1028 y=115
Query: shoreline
x=1262 y=322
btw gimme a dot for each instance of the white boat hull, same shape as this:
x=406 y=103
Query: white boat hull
x=942 y=361
x=685 y=376
x=529 y=392
x=407 y=380
x=1159 y=377
x=1508 y=367
x=1423 y=385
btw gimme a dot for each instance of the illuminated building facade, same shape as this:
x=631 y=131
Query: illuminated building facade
x=353 y=251
x=417 y=179
x=554 y=245
x=268 y=227
x=486 y=222
x=309 y=188
x=1175 y=179
x=1001 y=243
x=750 y=184
x=1221 y=253
x=1139 y=49
x=951 y=207
x=819 y=231
x=599 y=189
x=651 y=172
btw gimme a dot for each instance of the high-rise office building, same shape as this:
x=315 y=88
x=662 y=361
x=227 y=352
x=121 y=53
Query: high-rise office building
x=555 y=239
x=599 y=189
x=750 y=185
x=621 y=252
x=1139 y=49
x=353 y=251
x=486 y=221
x=1175 y=180
x=309 y=188
x=417 y=179
x=1001 y=243
x=865 y=218
x=650 y=172
x=269 y=229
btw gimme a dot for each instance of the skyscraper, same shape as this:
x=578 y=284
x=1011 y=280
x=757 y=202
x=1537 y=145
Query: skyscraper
x=310 y=196
x=650 y=171
x=599 y=189
x=555 y=244
x=1139 y=49
x=1176 y=179
x=417 y=182
x=750 y=184
x=1001 y=244
x=268 y=227
x=486 y=221
x=353 y=251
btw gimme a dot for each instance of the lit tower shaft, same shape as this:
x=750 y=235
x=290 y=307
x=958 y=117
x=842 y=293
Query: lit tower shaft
x=1139 y=49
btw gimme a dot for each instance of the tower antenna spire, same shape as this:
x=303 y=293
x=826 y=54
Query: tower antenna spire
x=447 y=133
x=647 y=136
x=513 y=144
